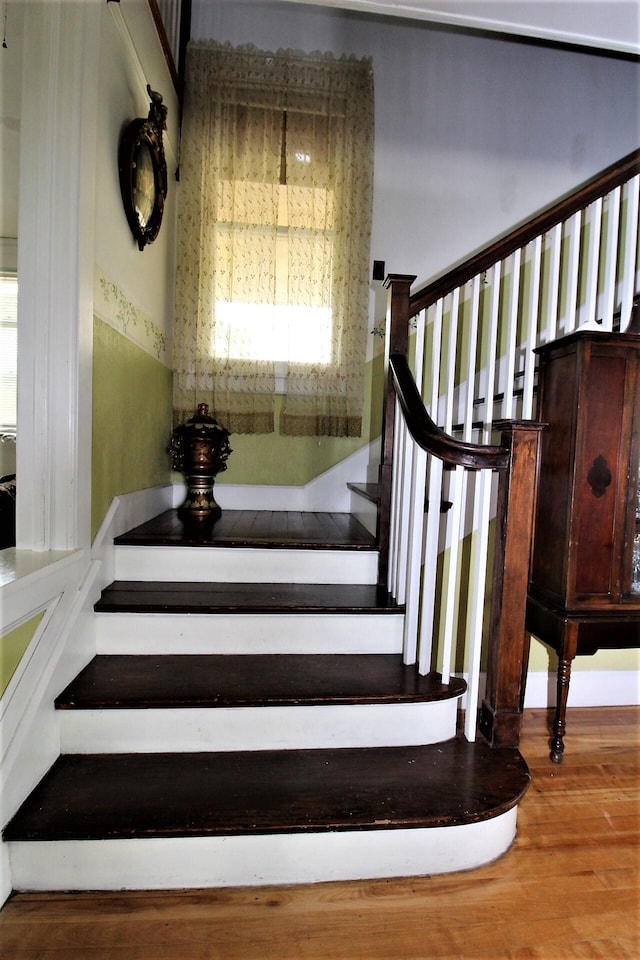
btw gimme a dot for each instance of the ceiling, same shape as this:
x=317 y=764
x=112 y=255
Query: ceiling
x=612 y=25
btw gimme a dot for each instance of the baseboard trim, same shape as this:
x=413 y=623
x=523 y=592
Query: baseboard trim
x=588 y=688
x=328 y=491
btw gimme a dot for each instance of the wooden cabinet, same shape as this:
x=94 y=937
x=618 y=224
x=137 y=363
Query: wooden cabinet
x=583 y=592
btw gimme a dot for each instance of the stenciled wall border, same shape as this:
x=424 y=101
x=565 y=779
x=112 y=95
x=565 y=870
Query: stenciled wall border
x=113 y=306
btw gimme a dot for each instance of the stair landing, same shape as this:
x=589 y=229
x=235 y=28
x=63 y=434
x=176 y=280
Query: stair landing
x=256 y=528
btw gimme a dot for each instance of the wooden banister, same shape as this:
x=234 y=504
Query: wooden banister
x=516 y=461
x=615 y=175
x=455 y=453
x=396 y=342
x=501 y=712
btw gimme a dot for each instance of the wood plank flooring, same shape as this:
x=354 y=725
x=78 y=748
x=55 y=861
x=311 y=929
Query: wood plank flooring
x=264 y=528
x=567 y=889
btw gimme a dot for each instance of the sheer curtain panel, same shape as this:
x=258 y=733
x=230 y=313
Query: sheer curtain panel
x=273 y=239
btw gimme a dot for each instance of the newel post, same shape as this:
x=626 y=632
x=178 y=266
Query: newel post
x=396 y=341
x=501 y=712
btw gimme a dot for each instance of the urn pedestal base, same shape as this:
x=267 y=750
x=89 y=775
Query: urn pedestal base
x=199 y=504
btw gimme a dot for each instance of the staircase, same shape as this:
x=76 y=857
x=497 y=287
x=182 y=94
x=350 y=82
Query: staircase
x=248 y=719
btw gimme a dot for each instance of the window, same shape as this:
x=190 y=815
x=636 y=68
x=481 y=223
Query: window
x=292 y=326
x=273 y=239
x=8 y=351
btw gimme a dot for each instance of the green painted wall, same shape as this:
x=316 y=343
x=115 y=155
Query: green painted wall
x=544 y=658
x=293 y=461
x=12 y=648
x=132 y=404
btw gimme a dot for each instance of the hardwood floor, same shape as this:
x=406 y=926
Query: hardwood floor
x=567 y=889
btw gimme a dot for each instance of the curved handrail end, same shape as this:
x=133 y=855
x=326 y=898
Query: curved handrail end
x=430 y=437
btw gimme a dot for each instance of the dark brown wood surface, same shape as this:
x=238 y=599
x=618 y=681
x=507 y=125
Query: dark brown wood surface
x=396 y=341
x=182 y=597
x=508 y=650
x=580 y=596
x=588 y=384
x=118 y=682
x=430 y=437
x=222 y=794
x=264 y=528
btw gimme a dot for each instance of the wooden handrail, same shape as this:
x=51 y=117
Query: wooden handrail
x=615 y=175
x=430 y=437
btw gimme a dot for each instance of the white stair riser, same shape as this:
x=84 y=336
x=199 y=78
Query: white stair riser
x=158 y=633
x=240 y=565
x=157 y=864
x=256 y=728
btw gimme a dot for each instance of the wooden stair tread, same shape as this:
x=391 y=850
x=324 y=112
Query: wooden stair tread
x=91 y=797
x=370 y=491
x=138 y=682
x=210 y=597
x=292 y=529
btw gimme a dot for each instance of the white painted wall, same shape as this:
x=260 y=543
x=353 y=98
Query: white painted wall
x=473 y=134
x=128 y=61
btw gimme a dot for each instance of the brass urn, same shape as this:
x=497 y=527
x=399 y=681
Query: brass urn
x=200 y=449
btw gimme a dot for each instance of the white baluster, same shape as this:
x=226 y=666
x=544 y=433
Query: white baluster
x=607 y=299
x=553 y=286
x=481 y=517
x=512 y=334
x=392 y=574
x=434 y=496
x=531 y=329
x=416 y=520
x=593 y=260
x=404 y=507
x=574 y=227
x=472 y=352
x=630 y=252
x=494 y=315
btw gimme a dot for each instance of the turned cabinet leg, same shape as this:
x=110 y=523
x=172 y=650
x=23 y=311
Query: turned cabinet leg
x=559 y=724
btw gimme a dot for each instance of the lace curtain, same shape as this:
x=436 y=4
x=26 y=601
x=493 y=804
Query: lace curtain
x=273 y=239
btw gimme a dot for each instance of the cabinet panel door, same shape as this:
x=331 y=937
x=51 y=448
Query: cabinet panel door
x=558 y=410
x=600 y=460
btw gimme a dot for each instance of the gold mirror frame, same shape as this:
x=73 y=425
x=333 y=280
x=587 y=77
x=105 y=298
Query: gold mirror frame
x=143 y=172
